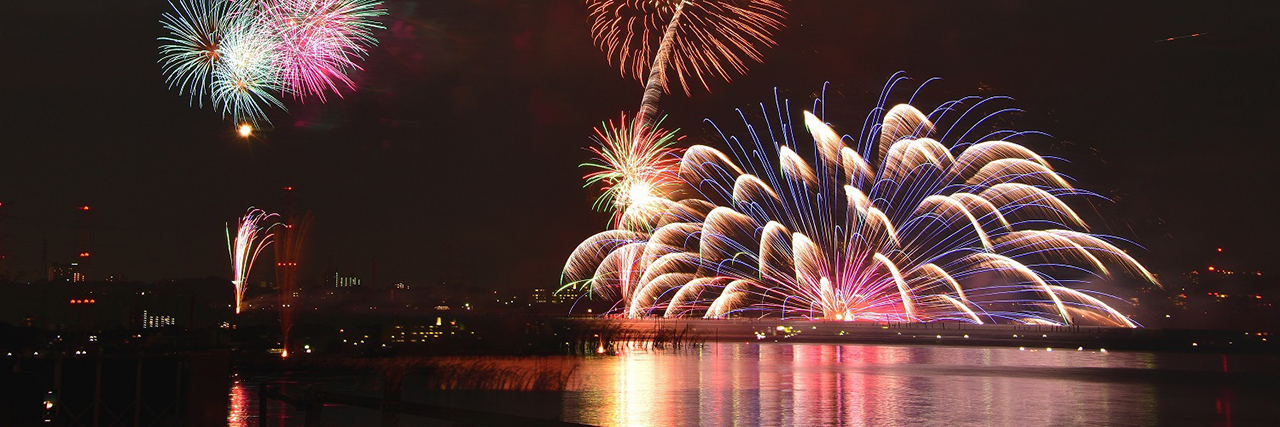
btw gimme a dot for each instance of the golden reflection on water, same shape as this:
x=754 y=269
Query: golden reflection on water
x=751 y=384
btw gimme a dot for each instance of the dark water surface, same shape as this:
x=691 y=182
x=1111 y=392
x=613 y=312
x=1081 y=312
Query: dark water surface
x=815 y=384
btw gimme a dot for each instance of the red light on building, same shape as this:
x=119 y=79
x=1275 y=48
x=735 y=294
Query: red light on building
x=83 y=208
x=1219 y=249
x=1211 y=268
x=84 y=255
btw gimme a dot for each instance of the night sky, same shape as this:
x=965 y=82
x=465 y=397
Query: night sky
x=457 y=158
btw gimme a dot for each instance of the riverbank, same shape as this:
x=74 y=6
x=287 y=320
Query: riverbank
x=961 y=334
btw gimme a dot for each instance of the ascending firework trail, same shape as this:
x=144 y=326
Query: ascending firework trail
x=695 y=38
x=250 y=239
x=658 y=72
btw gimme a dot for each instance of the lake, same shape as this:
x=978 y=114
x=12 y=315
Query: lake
x=780 y=384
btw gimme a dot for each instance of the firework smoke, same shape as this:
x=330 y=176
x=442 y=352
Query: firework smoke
x=289 y=244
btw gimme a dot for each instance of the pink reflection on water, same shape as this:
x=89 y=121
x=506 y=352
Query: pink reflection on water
x=729 y=383
x=238 y=415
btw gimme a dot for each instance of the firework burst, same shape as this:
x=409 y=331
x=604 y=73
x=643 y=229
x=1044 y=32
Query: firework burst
x=320 y=40
x=899 y=227
x=697 y=39
x=190 y=51
x=634 y=162
x=248 y=54
x=246 y=79
x=252 y=236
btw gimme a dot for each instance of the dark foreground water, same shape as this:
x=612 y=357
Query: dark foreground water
x=813 y=384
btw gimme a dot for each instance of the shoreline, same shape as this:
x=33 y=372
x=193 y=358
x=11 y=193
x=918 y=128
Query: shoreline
x=955 y=334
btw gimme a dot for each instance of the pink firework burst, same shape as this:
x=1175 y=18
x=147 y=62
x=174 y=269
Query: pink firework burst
x=320 y=41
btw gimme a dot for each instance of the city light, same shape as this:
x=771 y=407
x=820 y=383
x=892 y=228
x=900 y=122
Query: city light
x=245 y=130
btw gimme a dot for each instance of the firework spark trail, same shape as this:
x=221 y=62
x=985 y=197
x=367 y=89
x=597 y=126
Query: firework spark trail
x=657 y=81
x=635 y=159
x=245 y=78
x=697 y=39
x=320 y=40
x=1169 y=39
x=633 y=163
x=976 y=231
x=248 y=54
x=252 y=236
x=189 y=53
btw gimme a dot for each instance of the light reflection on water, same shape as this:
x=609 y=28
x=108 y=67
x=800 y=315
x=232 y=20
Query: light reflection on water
x=749 y=384
x=238 y=413
x=243 y=410
x=816 y=384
